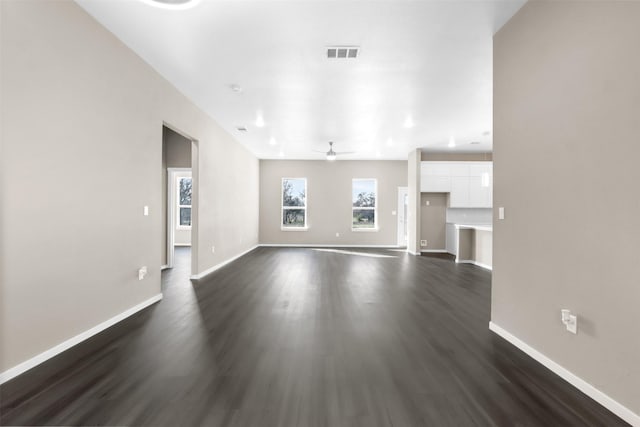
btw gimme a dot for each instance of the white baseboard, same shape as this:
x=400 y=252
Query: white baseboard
x=479 y=264
x=433 y=251
x=324 y=245
x=54 y=351
x=485 y=266
x=603 y=399
x=413 y=253
x=182 y=245
x=220 y=265
x=164 y=267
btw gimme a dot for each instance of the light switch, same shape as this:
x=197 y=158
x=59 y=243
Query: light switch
x=500 y=213
x=393 y=213
x=145 y=211
x=427 y=203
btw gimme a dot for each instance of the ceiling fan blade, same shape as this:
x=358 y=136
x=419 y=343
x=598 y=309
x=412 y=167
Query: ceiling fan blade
x=317 y=151
x=345 y=152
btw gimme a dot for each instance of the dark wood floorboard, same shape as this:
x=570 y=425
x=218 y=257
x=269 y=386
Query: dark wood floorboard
x=303 y=337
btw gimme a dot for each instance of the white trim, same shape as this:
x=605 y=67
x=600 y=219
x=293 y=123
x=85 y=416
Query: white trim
x=476 y=263
x=400 y=223
x=324 y=245
x=220 y=265
x=433 y=251
x=485 y=266
x=413 y=253
x=376 y=222
x=164 y=267
x=283 y=227
x=171 y=213
x=182 y=244
x=617 y=408
x=365 y=230
x=54 y=351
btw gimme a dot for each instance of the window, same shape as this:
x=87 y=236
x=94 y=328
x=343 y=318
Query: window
x=294 y=203
x=363 y=198
x=184 y=202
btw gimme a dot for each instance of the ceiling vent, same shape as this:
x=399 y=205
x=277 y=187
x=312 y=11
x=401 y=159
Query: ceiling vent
x=343 y=52
x=241 y=128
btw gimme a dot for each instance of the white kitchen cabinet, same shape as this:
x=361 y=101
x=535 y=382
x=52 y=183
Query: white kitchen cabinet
x=459 y=196
x=469 y=184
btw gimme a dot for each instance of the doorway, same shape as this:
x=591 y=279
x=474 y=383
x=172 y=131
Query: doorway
x=403 y=214
x=178 y=194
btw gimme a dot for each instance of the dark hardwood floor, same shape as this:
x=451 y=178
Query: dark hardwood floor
x=303 y=337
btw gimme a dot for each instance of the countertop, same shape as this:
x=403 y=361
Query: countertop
x=479 y=227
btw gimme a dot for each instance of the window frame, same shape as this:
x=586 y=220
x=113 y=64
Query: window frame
x=375 y=227
x=283 y=207
x=178 y=205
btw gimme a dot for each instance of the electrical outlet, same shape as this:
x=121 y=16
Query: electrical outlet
x=213 y=249
x=569 y=320
x=337 y=234
x=427 y=203
x=423 y=243
x=142 y=272
x=145 y=211
x=501 y=213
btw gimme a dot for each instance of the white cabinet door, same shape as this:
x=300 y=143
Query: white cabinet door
x=435 y=184
x=479 y=192
x=459 y=197
x=470 y=184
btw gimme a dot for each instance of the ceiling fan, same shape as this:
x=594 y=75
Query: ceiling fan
x=331 y=155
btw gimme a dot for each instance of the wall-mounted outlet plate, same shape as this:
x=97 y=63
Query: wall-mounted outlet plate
x=213 y=249
x=142 y=272
x=423 y=243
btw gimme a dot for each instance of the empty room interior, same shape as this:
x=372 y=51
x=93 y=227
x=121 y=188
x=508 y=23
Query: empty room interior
x=319 y=213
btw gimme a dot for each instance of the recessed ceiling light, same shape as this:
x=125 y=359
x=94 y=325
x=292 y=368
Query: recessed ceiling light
x=452 y=142
x=236 y=88
x=474 y=142
x=241 y=128
x=172 y=4
x=272 y=141
x=486 y=133
x=408 y=123
x=259 y=120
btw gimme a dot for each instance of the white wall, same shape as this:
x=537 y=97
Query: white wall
x=81 y=131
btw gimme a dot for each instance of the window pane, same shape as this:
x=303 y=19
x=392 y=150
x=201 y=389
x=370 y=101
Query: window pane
x=185 y=216
x=293 y=192
x=185 y=191
x=293 y=217
x=364 y=218
x=363 y=193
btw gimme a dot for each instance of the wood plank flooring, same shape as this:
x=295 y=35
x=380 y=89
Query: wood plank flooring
x=303 y=337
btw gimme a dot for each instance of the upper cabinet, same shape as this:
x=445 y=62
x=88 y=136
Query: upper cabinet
x=469 y=184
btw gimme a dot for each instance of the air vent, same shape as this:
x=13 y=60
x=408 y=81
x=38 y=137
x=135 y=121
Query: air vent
x=474 y=142
x=343 y=52
x=241 y=128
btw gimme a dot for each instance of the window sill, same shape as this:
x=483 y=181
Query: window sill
x=183 y=227
x=294 y=228
x=369 y=230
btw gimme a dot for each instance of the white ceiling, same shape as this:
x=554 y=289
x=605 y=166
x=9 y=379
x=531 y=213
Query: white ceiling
x=427 y=60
